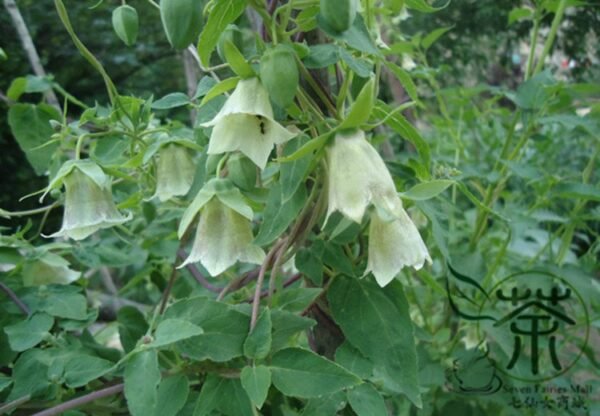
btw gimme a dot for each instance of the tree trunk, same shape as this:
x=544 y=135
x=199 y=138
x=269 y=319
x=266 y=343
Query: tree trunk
x=29 y=47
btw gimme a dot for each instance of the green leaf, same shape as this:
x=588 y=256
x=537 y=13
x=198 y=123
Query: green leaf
x=173 y=100
x=5 y=381
x=256 y=381
x=578 y=191
x=172 y=395
x=434 y=36
x=220 y=88
x=423 y=6
x=30 y=125
x=365 y=400
x=532 y=94
x=361 y=67
x=30 y=374
x=225 y=395
x=298 y=299
x=258 y=343
x=204 y=86
x=17 y=88
x=401 y=126
x=222 y=14
x=322 y=56
x=225 y=329
x=287 y=325
x=142 y=376
x=62 y=301
x=519 y=13
x=361 y=109
x=427 y=190
x=84 y=368
x=330 y=405
x=309 y=263
x=132 y=326
x=357 y=37
x=358 y=306
x=312 y=145
x=278 y=215
x=237 y=62
x=292 y=174
x=170 y=331
x=30 y=332
x=351 y=359
x=301 y=373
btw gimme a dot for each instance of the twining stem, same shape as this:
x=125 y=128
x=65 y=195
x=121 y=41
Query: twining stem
x=79 y=401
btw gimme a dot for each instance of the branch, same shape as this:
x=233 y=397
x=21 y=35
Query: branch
x=29 y=47
x=15 y=298
x=197 y=275
x=71 y=404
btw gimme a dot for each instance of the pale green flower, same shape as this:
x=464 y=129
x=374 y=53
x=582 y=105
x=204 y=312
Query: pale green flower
x=224 y=234
x=246 y=123
x=174 y=172
x=89 y=204
x=393 y=244
x=358 y=177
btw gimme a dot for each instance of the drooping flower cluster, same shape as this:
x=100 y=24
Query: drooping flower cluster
x=359 y=178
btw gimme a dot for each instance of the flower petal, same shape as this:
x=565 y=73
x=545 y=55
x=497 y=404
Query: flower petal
x=394 y=245
x=223 y=237
x=175 y=172
x=249 y=97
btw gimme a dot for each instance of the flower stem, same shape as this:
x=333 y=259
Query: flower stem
x=560 y=11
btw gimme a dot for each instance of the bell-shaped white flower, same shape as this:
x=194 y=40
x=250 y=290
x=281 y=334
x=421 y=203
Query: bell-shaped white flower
x=174 y=171
x=357 y=177
x=393 y=244
x=89 y=204
x=224 y=234
x=246 y=123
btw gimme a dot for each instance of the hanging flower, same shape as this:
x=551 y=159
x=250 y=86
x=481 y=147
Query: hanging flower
x=358 y=178
x=89 y=205
x=224 y=234
x=246 y=123
x=174 y=173
x=393 y=244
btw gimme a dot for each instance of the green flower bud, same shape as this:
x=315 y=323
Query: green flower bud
x=89 y=206
x=339 y=14
x=246 y=123
x=181 y=21
x=224 y=234
x=279 y=74
x=125 y=23
x=175 y=172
